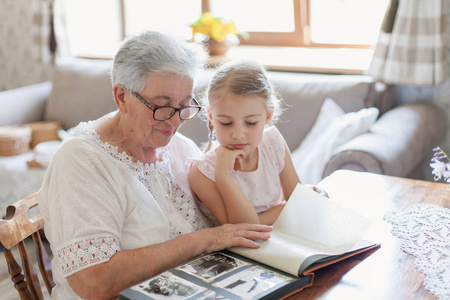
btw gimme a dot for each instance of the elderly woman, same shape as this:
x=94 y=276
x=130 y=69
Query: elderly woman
x=116 y=200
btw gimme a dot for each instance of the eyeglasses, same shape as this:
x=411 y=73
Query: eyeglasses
x=162 y=113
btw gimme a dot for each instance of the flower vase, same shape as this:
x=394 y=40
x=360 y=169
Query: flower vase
x=217 y=48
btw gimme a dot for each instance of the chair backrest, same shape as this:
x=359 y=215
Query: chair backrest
x=14 y=229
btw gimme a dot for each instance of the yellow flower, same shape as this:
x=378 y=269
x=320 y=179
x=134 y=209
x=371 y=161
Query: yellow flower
x=213 y=27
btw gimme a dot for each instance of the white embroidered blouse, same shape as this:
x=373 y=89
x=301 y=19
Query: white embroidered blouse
x=96 y=201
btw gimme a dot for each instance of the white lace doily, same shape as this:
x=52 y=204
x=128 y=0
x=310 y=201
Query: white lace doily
x=424 y=230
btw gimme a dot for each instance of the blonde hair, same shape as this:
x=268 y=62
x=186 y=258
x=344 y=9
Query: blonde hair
x=242 y=78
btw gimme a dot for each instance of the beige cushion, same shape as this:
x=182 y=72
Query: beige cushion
x=395 y=144
x=81 y=91
x=355 y=160
x=25 y=104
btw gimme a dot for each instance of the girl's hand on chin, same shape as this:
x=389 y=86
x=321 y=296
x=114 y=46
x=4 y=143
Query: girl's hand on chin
x=229 y=159
x=238 y=163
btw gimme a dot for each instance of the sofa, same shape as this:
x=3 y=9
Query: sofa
x=362 y=130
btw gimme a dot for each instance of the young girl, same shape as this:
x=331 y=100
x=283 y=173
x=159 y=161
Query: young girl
x=249 y=174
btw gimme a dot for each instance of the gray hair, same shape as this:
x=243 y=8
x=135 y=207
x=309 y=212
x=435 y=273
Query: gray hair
x=243 y=77
x=153 y=52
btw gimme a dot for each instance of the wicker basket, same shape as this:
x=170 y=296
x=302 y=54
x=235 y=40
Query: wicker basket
x=14 y=140
x=44 y=131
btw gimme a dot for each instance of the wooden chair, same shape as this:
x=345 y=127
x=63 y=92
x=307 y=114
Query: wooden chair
x=14 y=229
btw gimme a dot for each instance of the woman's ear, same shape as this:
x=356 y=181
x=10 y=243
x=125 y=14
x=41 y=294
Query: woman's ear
x=119 y=93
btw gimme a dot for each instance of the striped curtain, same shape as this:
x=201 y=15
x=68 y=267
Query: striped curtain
x=411 y=47
x=60 y=28
x=44 y=43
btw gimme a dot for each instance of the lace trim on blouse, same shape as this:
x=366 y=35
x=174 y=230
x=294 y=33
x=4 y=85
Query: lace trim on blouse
x=91 y=251
x=145 y=173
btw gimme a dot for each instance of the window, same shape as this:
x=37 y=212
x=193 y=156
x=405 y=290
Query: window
x=306 y=23
x=172 y=16
x=97 y=27
x=348 y=22
x=93 y=32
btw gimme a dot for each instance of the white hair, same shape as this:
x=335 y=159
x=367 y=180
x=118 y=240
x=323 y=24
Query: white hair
x=153 y=52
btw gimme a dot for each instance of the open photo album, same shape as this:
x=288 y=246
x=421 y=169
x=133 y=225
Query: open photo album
x=311 y=232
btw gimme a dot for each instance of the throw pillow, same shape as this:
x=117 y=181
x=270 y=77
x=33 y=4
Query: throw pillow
x=332 y=129
x=81 y=91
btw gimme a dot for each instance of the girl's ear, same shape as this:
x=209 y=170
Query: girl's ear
x=209 y=114
x=269 y=116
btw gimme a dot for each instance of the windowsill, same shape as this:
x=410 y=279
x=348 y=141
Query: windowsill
x=297 y=59
x=316 y=60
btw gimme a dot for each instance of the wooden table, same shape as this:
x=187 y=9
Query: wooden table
x=388 y=273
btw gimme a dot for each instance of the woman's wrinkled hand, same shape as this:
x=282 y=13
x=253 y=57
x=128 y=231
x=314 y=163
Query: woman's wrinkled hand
x=229 y=235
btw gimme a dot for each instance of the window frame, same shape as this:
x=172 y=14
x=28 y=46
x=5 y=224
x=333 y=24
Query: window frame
x=300 y=37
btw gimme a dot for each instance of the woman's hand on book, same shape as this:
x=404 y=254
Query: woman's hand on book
x=229 y=235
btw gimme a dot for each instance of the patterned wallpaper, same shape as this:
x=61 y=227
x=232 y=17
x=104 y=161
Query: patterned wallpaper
x=19 y=64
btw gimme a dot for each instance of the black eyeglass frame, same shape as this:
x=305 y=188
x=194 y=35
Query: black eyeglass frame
x=154 y=107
